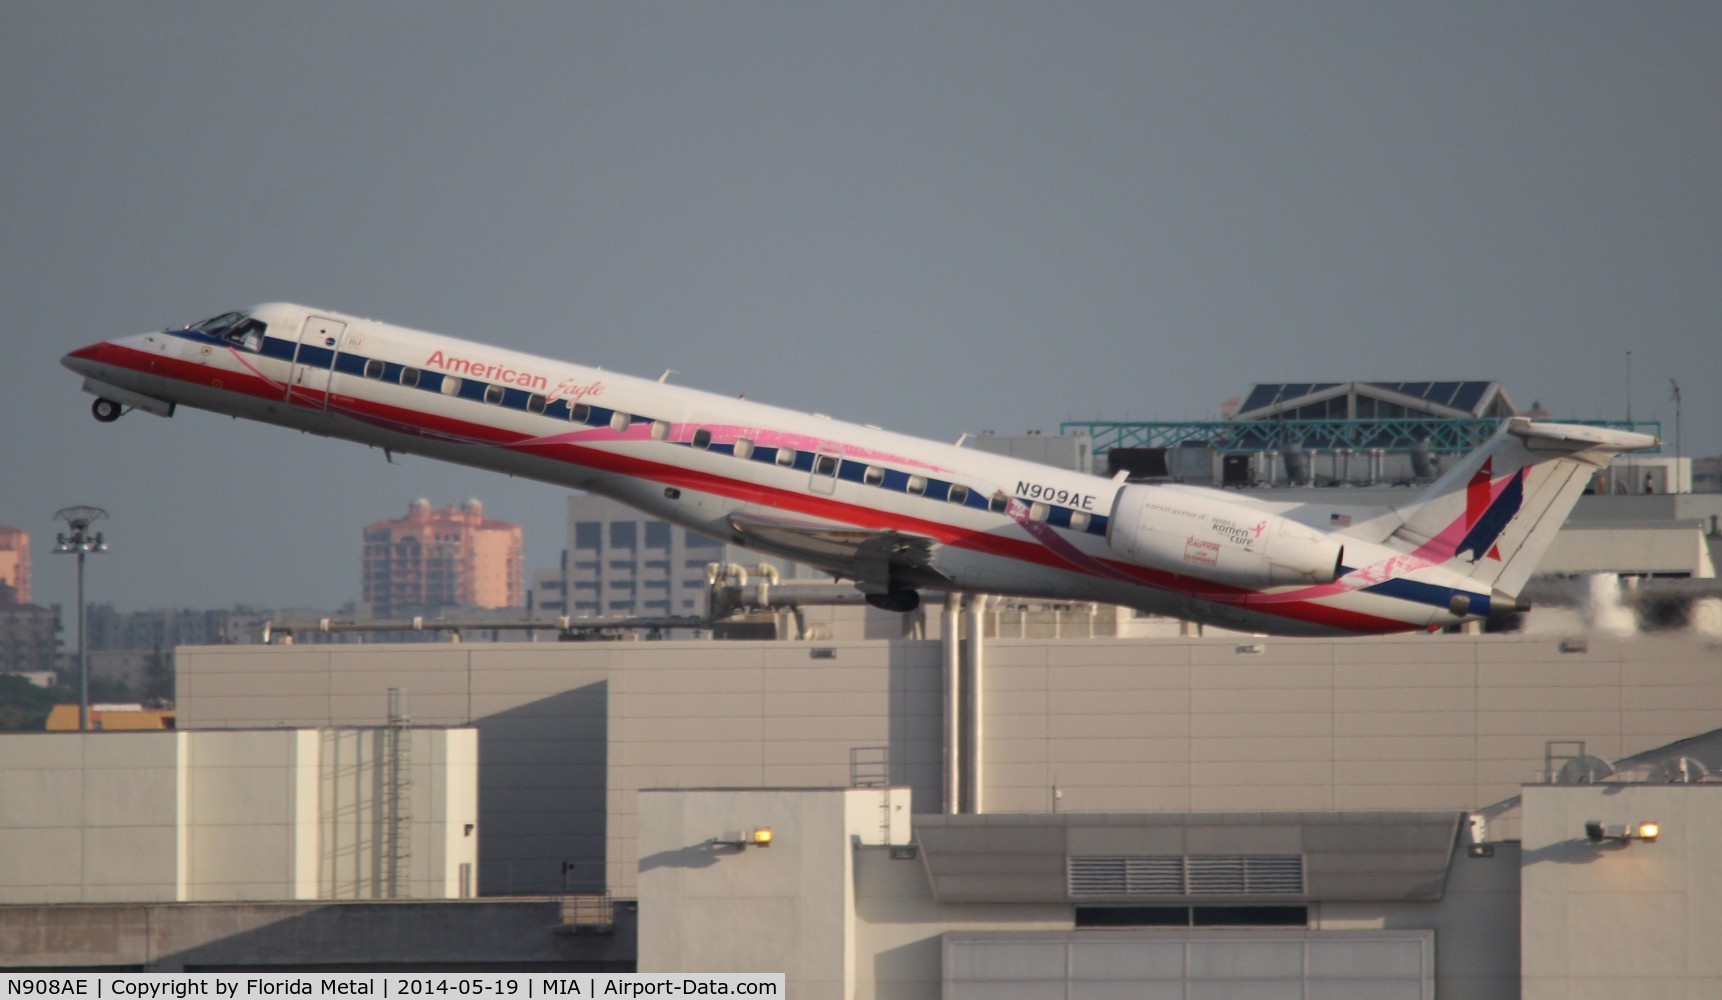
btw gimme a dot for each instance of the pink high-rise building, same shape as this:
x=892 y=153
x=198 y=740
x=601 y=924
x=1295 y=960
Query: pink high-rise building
x=435 y=559
x=14 y=565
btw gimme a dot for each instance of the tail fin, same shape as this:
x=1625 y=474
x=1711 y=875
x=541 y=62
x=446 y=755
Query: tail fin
x=1492 y=516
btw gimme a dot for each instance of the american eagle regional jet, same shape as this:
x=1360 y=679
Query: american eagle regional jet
x=893 y=513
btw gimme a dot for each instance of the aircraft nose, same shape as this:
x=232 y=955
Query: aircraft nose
x=85 y=360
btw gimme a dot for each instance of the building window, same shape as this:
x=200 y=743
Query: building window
x=623 y=534
x=657 y=534
x=588 y=534
x=1192 y=916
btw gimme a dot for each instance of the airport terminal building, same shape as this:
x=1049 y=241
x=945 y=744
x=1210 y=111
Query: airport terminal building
x=1459 y=815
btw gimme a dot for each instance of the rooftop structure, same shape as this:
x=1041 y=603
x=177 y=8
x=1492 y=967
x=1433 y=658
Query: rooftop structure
x=1431 y=418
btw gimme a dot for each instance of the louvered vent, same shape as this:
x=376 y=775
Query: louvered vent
x=1174 y=875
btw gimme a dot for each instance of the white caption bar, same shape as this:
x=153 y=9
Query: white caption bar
x=429 y=986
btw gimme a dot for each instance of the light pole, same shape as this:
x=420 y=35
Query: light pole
x=80 y=541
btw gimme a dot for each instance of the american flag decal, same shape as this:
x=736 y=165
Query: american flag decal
x=1339 y=520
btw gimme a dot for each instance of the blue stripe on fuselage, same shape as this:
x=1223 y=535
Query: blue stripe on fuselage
x=1434 y=595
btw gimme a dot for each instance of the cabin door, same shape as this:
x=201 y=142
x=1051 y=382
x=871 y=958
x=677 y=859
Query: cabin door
x=314 y=362
x=825 y=468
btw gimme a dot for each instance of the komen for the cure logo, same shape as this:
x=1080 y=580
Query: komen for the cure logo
x=1241 y=534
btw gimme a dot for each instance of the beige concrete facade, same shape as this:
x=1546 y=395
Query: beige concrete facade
x=843 y=915
x=572 y=731
x=1622 y=919
x=181 y=816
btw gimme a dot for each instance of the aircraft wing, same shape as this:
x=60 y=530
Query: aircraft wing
x=865 y=554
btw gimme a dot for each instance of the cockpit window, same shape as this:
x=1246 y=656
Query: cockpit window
x=236 y=328
x=218 y=325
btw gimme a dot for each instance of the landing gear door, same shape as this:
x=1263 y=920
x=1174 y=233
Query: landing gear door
x=314 y=362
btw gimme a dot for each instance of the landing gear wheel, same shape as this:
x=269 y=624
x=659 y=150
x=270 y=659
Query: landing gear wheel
x=902 y=601
x=106 y=410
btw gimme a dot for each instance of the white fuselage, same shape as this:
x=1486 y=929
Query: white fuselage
x=718 y=465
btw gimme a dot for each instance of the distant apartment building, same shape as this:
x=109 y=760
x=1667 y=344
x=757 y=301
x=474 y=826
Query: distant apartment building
x=436 y=559
x=29 y=638
x=622 y=562
x=14 y=566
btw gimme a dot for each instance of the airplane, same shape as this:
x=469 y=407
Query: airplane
x=893 y=513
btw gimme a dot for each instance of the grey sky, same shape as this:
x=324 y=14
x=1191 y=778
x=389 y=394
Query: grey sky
x=938 y=218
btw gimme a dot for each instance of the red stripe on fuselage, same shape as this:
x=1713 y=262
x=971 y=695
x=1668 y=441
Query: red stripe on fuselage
x=449 y=428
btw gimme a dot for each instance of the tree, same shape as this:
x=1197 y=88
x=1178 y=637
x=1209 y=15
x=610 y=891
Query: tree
x=24 y=707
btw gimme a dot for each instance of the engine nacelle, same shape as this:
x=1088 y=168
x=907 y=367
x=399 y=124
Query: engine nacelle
x=1219 y=541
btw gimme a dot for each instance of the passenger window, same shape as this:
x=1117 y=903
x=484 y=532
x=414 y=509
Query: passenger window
x=580 y=412
x=917 y=486
x=702 y=438
x=825 y=465
x=743 y=448
x=660 y=430
x=1038 y=511
x=959 y=495
x=493 y=394
x=450 y=385
x=999 y=503
x=373 y=369
x=619 y=421
x=535 y=403
x=786 y=457
x=409 y=377
x=1078 y=520
x=873 y=476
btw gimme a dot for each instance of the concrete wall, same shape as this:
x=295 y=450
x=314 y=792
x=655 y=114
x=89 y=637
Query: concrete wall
x=1613 y=920
x=232 y=815
x=1175 y=965
x=572 y=731
x=1475 y=925
x=823 y=881
x=87 y=818
x=490 y=936
x=790 y=907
